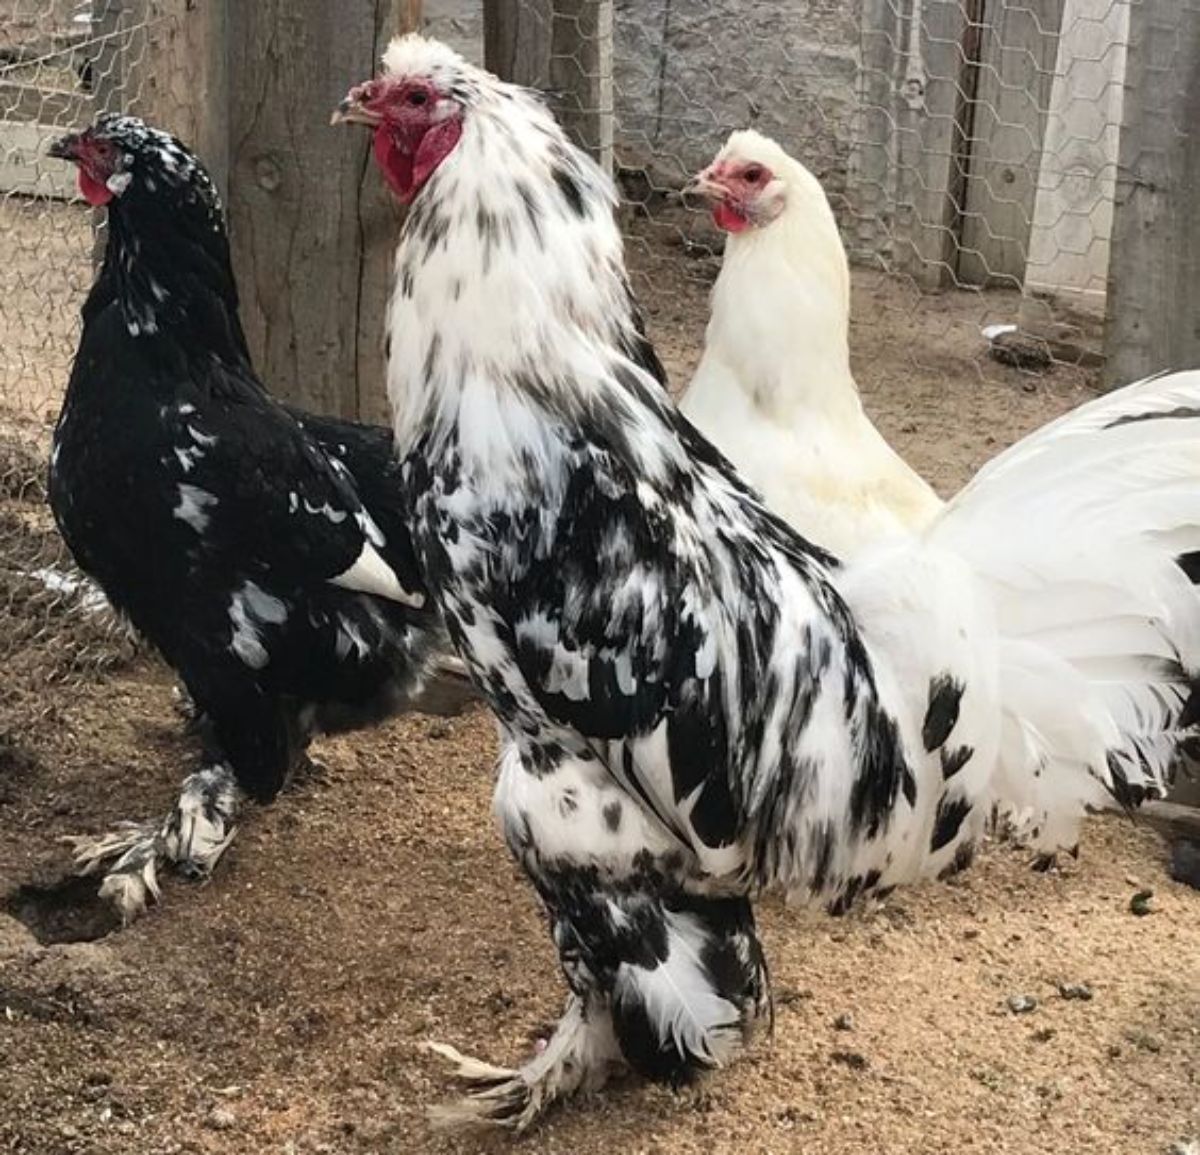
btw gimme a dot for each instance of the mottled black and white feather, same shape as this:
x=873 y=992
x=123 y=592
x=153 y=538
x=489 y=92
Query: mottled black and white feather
x=263 y=551
x=698 y=704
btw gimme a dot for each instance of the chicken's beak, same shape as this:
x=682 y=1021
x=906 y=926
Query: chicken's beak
x=706 y=186
x=65 y=147
x=352 y=111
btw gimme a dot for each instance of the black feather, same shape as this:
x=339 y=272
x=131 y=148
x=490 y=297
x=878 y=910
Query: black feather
x=212 y=516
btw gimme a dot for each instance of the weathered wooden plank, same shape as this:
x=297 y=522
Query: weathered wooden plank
x=906 y=165
x=1015 y=77
x=108 y=62
x=581 y=74
x=1154 y=267
x=301 y=202
x=871 y=178
x=565 y=48
x=379 y=217
x=517 y=40
x=1067 y=266
x=181 y=78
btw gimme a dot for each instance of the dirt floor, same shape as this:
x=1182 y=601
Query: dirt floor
x=283 y=1006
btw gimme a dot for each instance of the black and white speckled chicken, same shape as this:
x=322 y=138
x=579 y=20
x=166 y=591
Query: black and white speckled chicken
x=698 y=705
x=261 y=550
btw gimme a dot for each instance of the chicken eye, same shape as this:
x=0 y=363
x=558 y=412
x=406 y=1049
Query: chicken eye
x=417 y=98
x=753 y=174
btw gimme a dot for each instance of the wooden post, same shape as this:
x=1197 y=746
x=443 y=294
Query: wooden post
x=1152 y=321
x=909 y=158
x=106 y=71
x=1014 y=77
x=565 y=48
x=312 y=228
x=581 y=74
x=181 y=80
x=516 y=40
x=1071 y=221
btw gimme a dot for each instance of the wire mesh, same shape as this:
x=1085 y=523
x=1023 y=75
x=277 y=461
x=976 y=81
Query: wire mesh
x=971 y=149
x=62 y=62
x=967 y=146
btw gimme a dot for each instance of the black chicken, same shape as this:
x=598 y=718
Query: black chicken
x=261 y=550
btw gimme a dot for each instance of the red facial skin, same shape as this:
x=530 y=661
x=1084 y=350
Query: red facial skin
x=742 y=184
x=97 y=160
x=410 y=140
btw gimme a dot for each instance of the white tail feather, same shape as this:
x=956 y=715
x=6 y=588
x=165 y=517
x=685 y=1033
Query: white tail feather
x=1076 y=531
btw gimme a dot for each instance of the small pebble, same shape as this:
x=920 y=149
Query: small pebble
x=220 y=1119
x=844 y=1022
x=1140 y=903
x=789 y=995
x=852 y=1059
x=1079 y=991
x=1022 y=1004
x=1144 y=1040
x=1184 y=1147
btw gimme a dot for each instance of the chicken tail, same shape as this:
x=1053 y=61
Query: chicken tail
x=1087 y=537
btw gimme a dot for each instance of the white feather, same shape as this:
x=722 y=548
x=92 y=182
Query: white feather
x=370 y=574
x=1058 y=560
x=678 y=995
x=774 y=390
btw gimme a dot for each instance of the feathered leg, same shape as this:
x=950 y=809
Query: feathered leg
x=192 y=838
x=664 y=981
x=669 y=987
x=580 y=1055
x=693 y=1000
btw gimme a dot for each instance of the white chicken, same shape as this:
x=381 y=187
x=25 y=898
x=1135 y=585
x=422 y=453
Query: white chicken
x=774 y=391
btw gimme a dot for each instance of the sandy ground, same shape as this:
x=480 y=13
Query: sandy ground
x=282 y=1007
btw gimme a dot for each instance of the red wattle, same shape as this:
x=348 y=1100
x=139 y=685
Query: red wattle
x=93 y=191
x=437 y=144
x=726 y=217
x=397 y=166
x=407 y=169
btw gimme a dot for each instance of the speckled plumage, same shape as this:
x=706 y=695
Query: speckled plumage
x=261 y=550
x=696 y=703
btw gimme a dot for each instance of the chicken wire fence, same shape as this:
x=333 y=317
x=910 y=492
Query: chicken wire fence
x=972 y=150
x=61 y=63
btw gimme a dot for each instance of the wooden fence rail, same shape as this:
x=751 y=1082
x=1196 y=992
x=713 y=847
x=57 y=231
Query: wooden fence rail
x=1153 y=303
